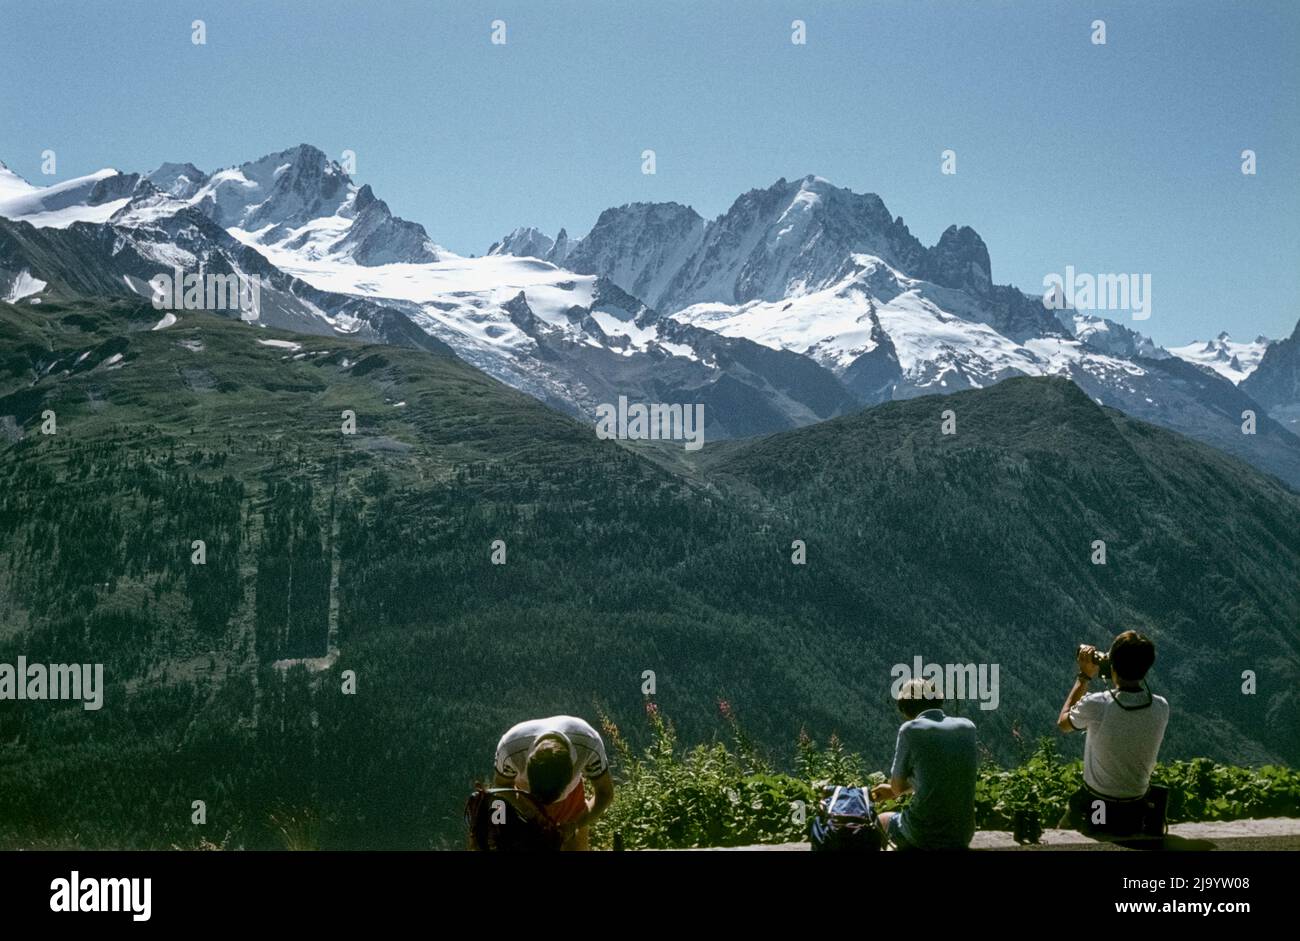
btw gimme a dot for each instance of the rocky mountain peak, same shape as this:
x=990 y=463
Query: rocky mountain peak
x=960 y=259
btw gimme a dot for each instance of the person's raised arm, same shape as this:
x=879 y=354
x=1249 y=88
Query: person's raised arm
x=1087 y=670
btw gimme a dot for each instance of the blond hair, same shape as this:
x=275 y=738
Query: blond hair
x=917 y=695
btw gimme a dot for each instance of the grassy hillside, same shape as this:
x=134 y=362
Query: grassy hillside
x=375 y=549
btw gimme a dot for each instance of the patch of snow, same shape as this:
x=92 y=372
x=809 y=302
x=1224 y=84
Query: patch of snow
x=281 y=344
x=24 y=286
x=167 y=254
x=682 y=350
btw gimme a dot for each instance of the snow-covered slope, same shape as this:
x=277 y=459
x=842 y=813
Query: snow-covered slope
x=932 y=335
x=1232 y=360
x=465 y=296
x=91 y=198
x=12 y=185
x=1109 y=336
x=152 y=236
x=578 y=341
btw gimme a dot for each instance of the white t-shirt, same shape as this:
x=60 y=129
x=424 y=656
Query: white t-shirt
x=585 y=748
x=1124 y=734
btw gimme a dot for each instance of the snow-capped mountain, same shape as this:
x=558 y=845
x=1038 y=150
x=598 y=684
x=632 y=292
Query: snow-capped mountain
x=180 y=180
x=810 y=268
x=789 y=240
x=1232 y=360
x=334 y=259
x=297 y=199
x=109 y=233
x=1275 y=381
x=1110 y=337
x=640 y=247
x=91 y=198
x=532 y=243
x=802 y=301
x=301 y=200
x=878 y=313
x=578 y=341
x=815 y=269
x=886 y=336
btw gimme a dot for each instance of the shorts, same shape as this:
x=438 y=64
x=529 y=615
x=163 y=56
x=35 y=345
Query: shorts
x=570 y=808
x=895 y=833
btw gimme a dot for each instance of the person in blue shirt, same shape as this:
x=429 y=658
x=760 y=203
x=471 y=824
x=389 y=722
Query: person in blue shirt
x=936 y=761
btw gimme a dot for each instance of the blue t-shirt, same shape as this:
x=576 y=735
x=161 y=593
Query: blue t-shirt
x=936 y=752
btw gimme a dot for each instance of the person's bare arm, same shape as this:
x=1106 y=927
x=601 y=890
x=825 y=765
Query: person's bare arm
x=1087 y=670
x=895 y=789
x=898 y=784
x=602 y=796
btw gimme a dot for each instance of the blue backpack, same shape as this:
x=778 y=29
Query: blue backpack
x=845 y=820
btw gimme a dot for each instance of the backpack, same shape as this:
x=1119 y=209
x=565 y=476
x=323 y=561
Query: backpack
x=845 y=820
x=503 y=820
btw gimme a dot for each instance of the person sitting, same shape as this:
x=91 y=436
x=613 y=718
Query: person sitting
x=936 y=760
x=1124 y=727
x=550 y=759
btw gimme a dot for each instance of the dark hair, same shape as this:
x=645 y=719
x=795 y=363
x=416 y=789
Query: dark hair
x=550 y=769
x=917 y=695
x=1131 y=656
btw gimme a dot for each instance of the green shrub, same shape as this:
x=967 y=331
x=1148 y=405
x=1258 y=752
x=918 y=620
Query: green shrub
x=669 y=797
x=707 y=796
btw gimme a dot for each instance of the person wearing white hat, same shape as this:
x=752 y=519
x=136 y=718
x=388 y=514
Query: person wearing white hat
x=550 y=758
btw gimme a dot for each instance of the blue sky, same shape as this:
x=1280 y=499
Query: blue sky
x=1115 y=158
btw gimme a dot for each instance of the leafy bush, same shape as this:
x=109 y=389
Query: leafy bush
x=1201 y=789
x=707 y=796
x=710 y=795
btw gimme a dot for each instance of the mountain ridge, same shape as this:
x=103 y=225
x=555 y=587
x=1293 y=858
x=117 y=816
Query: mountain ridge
x=801 y=267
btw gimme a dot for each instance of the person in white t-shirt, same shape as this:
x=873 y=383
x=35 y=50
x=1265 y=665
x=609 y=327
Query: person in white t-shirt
x=1124 y=725
x=550 y=758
